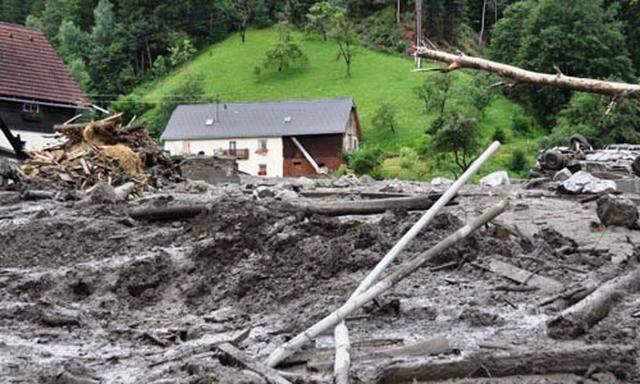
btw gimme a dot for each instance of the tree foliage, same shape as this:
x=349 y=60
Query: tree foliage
x=385 y=118
x=459 y=137
x=345 y=36
x=284 y=55
x=580 y=38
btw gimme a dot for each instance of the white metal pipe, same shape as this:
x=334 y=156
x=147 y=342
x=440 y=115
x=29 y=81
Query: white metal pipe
x=425 y=219
x=341 y=332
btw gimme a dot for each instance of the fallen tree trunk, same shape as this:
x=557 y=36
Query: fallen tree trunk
x=167 y=213
x=382 y=286
x=271 y=375
x=577 y=319
x=362 y=207
x=618 y=359
x=559 y=80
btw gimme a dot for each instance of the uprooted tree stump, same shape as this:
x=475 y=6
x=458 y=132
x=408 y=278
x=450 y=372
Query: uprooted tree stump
x=579 y=318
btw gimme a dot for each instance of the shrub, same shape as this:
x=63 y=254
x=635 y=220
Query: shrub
x=365 y=161
x=499 y=135
x=522 y=124
x=519 y=161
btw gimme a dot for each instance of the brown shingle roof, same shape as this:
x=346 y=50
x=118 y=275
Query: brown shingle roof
x=30 y=68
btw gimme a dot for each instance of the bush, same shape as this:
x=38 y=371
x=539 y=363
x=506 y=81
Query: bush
x=519 y=161
x=499 y=135
x=365 y=161
x=522 y=124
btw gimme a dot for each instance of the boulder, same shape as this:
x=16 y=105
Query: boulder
x=584 y=182
x=441 y=182
x=263 y=192
x=495 y=179
x=366 y=179
x=562 y=175
x=103 y=193
x=286 y=195
x=617 y=211
x=346 y=181
x=305 y=182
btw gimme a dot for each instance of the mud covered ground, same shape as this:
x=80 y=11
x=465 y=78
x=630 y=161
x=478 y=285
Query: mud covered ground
x=89 y=295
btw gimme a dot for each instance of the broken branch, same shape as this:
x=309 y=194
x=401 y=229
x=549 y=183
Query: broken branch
x=525 y=76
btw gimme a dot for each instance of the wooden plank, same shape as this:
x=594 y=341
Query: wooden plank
x=271 y=375
x=522 y=276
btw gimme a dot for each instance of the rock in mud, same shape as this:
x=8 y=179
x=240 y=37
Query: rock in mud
x=584 y=182
x=286 y=195
x=441 y=182
x=495 y=179
x=366 y=179
x=562 y=175
x=617 y=211
x=103 y=193
x=264 y=192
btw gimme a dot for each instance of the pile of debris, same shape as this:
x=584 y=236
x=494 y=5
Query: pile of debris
x=99 y=151
x=615 y=161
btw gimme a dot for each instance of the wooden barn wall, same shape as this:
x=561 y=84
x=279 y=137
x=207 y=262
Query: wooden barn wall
x=325 y=149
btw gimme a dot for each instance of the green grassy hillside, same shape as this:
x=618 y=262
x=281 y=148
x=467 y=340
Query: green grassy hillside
x=377 y=77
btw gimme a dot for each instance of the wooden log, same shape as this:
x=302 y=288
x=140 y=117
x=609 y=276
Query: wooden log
x=362 y=207
x=382 y=286
x=201 y=345
x=271 y=375
x=559 y=80
x=579 y=318
x=429 y=347
x=524 y=277
x=37 y=195
x=167 y=213
x=618 y=359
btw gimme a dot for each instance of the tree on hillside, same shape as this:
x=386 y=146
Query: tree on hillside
x=320 y=18
x=244 y=11
x=581 y=38
x=345 y=36
x=285 y=54
x=458 y=136
x=385 y=118
x=434 y=92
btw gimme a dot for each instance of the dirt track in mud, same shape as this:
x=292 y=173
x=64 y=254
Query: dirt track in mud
x=88 y=295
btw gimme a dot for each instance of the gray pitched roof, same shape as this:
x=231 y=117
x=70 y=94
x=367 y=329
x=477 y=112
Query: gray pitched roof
x=259 y=119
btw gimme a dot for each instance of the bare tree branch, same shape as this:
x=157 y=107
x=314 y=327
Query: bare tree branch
x=525 y=76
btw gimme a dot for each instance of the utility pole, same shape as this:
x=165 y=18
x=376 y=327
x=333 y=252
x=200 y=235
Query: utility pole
x=418 y=30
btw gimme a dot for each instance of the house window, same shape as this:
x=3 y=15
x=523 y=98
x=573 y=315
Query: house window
x=262 y=147
x=32 y=108
x=297 y=163
x=232 y=148
x=262 y=170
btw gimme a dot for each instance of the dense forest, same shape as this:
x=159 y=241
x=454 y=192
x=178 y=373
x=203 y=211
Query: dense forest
x=113 y=46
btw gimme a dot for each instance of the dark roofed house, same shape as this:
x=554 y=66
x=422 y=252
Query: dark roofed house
x=271 y=138
x=36 y=89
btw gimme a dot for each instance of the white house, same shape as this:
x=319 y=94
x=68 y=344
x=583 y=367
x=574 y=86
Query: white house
x=272 y=138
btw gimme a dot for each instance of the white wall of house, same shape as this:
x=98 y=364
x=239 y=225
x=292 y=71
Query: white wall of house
x=273 y=158
x=34 y=140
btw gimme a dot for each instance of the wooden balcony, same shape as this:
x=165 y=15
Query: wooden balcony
x=240 y=154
